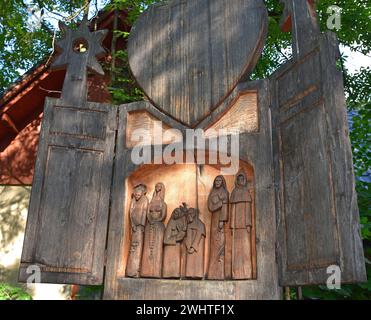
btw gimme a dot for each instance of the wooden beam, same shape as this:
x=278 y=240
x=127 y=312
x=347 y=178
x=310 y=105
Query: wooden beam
x=300 y=17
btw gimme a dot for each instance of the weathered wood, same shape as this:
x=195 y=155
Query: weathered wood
x=68 y=212
x=241 y=226
x=79 y=51
x=352 y=261
x=117 y=286
x=218 y=205
x=318 y=219
x=142 y=120
x=300 y=17
x=189 y=55
x=175 y=233
x=154 y=235
x=241 y=117
x=194 y=246
x=138 y=217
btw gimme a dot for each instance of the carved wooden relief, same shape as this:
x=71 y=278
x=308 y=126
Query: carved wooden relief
x=174 y=235
x=241 y=226
x=215 y=241
x=194 y=246
x=218 y=206
x=138 y=216
x=154 y=234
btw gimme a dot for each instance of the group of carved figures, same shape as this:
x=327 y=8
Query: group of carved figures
x=178 y=250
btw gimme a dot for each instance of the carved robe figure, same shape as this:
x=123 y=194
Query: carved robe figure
x=174 y=234
x=138 y=216
x=218 y=206
x=194 y=246
x=241 y=224
x=154 y=234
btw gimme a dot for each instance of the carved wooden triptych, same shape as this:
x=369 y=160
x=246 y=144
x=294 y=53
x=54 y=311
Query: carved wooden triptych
x=186 y=230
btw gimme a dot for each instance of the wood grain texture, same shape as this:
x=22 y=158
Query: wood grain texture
x=141 y=121
x=252 y=151
x=218 y=206
x=189 y=55
x=318 y=220
x=195 y=246
x=68 y=212
x=300 y=17
x=241 y=117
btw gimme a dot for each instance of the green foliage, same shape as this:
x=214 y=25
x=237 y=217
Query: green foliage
x=8 y=292
x=133 y=7
x=277 y=48
x=89 y=293
x=23 y=44
x=358 y=90
x=123 y=87
x=355 y=20
x=361 y=139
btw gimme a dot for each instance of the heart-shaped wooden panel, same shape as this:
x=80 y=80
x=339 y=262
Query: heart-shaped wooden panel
x=188 y=55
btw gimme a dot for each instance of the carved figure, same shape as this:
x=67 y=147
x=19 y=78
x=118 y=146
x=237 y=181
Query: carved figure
x=218 y=206
x=194 y=246
x=241 y=225
x=138 y=215
x=174 y=234
x=154 y=234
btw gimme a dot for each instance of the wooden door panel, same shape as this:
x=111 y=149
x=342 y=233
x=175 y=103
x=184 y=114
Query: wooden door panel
x=69 y=206
x=318 y=219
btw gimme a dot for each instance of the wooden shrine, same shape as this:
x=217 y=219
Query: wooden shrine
x=185 y=230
